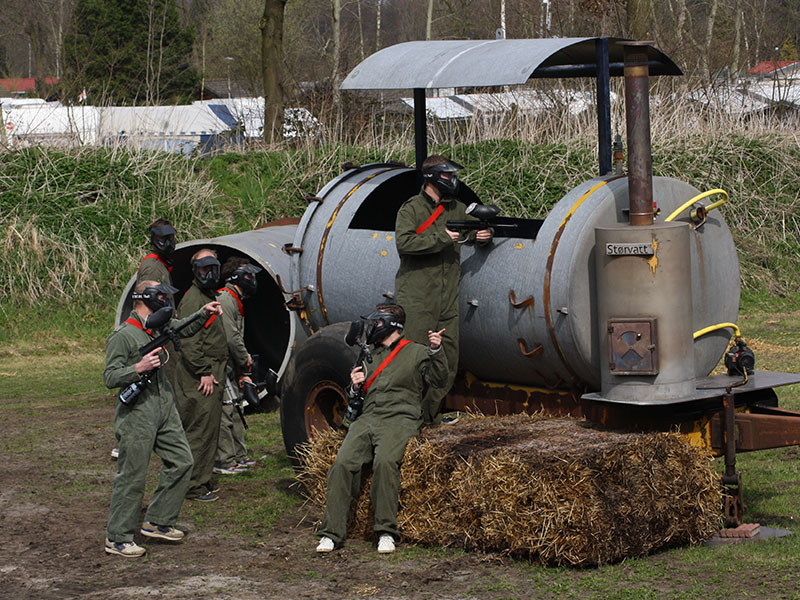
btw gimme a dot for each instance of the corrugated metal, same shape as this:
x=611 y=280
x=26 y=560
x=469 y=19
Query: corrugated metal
x=467 y=63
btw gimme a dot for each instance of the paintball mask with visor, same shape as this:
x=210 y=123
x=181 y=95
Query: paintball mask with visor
x=156 y=297
x=162 y=238
x=206 y=272
x=245 y=278
x=381 y=325
x=443 y=177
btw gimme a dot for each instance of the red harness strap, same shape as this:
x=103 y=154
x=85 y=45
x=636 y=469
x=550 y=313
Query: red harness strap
x=439 y=210
x=235 y=297
x=210 y=321
x=400 y=345
x=135 y=323
x=158 y=258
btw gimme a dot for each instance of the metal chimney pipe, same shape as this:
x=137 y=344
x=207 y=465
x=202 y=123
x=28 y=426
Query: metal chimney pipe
x=637 y=118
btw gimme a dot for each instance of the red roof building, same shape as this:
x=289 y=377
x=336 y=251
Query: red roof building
x=24 y=84
x=770 y=66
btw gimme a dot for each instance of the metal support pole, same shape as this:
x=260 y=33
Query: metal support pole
x=603 y=106
x=731 y=480
x=420 y=127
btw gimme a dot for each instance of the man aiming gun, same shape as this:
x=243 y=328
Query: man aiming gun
x=426 y=284
x=149 y=423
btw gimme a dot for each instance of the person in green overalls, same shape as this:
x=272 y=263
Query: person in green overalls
x=426 y=284
x=148 y=424
x=157 y=264
x=392 y=386
x=200 y=377
x=240 y=283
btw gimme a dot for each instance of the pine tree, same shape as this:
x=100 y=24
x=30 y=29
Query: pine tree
x=129 y=52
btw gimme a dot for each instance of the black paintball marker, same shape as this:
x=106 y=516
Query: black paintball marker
x=355 y=396
x=486 y=217
x=157 y=320
x=263 y=379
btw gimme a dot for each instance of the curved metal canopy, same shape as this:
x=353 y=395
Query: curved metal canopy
x=468 y=63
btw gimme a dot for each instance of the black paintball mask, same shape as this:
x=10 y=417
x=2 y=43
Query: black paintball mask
x=162 y=238
x=156 y=297
x=443 y=177
x=245 y=278
x=208 y=278
x=381 y=325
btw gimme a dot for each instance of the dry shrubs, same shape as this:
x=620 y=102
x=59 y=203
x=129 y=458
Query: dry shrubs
x=554 y=490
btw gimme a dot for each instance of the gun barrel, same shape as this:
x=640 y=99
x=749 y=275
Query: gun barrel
x=167 y=335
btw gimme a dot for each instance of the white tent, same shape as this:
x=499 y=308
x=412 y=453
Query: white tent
x=249 y=113
x=50 y=124
x=184 y=128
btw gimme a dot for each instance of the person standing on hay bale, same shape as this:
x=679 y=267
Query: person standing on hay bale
x=426 y=283
x=392 y=414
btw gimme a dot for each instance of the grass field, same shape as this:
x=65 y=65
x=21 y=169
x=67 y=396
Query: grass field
x=58 y=422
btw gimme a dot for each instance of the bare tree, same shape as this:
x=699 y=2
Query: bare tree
x=640 y=17
x=336 y=23
x=271 y=26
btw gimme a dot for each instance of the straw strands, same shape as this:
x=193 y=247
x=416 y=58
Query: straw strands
x=554 y=490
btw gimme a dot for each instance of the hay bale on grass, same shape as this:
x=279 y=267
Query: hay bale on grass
x=556 y=490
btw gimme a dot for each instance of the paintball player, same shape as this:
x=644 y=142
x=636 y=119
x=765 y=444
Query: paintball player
x=426 y=284
x=200 y=377
x=148 y=424
x=392 y=414
x=240 y=277
x=157 y=265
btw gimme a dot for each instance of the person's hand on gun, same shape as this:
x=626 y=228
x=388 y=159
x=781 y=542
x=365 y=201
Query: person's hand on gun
x=149 y=362
x=357 y=376
x=435 y=338
x=454 y=235
x=207 y=382
x=483 y=235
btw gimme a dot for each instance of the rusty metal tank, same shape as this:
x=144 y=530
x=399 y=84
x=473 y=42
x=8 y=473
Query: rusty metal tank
x=270 y=329
x=528 y=303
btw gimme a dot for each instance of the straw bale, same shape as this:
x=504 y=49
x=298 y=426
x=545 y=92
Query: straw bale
x=555 y=490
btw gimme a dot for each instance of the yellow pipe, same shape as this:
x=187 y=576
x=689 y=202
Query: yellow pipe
x=711 y=328
x=699 y=197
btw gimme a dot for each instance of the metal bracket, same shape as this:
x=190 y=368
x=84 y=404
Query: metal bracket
x=512 y=298
x=523 y=347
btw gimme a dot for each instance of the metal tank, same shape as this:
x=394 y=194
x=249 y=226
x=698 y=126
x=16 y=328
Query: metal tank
x=271 y=331
x=527 y=303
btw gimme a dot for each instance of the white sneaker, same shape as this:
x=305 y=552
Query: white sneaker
x=126 y=549
x=325 y=544
x=114 y=453
x=385 y=544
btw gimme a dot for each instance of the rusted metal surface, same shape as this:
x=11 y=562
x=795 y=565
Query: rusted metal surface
x=490 y=399
x=512 y=298
x=637 y=118
x=633 y=347
x=759 y=431
x=324 y=240
x=523 y=347
x=325 y=405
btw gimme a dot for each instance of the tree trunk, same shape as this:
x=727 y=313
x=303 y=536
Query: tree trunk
x=710 y=37
x=271 y=26
x=429 y=20
x=337 y=49
x=639 y=17
x=378 y=25
x=737 y=42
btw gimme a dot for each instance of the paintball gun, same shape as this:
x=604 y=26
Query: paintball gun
x=355 y=396
x=157 y=320
x=264 y=379
x=486 y=217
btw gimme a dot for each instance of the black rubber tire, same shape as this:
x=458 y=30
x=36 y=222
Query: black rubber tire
x=323 y=359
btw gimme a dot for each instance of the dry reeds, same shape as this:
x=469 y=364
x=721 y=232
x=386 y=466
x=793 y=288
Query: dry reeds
x=555 y=490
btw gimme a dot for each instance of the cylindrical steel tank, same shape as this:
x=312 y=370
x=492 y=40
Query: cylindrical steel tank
x=271 y=330
x=527 y=303
x=644 y=310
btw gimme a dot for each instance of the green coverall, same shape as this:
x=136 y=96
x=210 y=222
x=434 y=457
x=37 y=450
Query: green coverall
x=153 y=269
x=203 y=354
x=231 y=448
x=150 y=424
x=392 y=415
x=426 y=284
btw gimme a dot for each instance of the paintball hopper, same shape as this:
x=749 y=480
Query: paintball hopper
x=484 y=212
x=159 y=318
